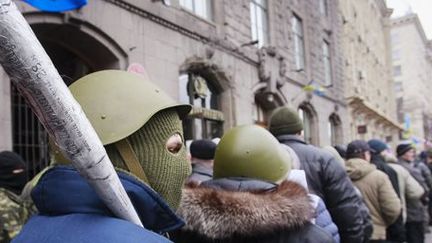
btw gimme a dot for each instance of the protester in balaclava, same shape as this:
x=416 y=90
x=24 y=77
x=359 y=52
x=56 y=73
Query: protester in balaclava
x=13 y=176
x=375 y=186
x=249 y=199
x=141 y=129
x=202 y=154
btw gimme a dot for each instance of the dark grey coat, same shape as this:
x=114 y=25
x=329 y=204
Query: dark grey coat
x=327 y=179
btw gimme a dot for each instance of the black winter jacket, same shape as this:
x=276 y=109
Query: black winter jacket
x=240 y=210
x=396 y=231
x=327 y=179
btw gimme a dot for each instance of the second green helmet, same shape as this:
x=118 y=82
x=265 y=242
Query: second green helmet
x=251 y=151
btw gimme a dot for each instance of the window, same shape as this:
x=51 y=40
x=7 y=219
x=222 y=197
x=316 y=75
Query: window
x=323 y=7
x=205 y=120
x=297 y=28
x=202 y=8
x=258 y=15
x=397 y=70
x=30 y=140
x=394 y=38
x=395 y=55
x=305 y=116
x=398 y=87
x=259 y=115
x=334 y=129
x=327 y=64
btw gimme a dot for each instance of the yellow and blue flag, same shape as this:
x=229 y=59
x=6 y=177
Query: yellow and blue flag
x=315 y=88
x=56 y=5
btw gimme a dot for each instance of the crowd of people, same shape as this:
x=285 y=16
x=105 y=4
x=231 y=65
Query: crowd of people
x=254 y=184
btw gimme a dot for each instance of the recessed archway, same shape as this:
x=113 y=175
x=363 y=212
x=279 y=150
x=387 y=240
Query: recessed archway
x=76 y=49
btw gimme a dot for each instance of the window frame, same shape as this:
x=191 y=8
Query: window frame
x=201 y=126
x=259 y=34
x=191 y=6
x=323 y=7
x=327 y=63
x=299 y=49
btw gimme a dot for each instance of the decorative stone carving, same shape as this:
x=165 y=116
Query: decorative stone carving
x=272 y=68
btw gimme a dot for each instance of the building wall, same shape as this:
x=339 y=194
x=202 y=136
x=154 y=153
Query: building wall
x=5 y=111
x=411 y=52
x=169 y=40
x=367 y=61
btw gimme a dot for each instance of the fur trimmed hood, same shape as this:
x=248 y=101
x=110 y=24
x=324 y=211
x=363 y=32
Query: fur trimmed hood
x=218 y=214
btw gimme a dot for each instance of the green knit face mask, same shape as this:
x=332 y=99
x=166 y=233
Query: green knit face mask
x=166 y=169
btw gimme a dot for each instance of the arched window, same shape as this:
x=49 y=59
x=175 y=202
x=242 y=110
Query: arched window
x=335 y=129
x=308 y=115
x=72 y=60
x=205 y=120
x=259 y=115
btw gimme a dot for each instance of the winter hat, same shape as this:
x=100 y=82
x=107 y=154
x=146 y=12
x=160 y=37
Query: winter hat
x=401 y=149
x=377 y=145
x=341 y=149
x=333 y=151
x=356 y=147
x=165 y=171
x=13 y=172
x=203 y=149
x=285 y=120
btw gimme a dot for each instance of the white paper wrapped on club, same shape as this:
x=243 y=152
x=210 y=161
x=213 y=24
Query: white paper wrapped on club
x=32 y=72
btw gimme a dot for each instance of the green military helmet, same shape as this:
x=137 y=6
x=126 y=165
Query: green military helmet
x=133 y=102
x=253 y=152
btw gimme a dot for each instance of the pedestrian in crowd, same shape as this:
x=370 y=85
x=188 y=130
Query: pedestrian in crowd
x=367 y=220
x=333 y=151
x=202 y=153
x=420 y=164
x=415 y=208
x=325 y=176
x=142 y=133
x=396 y=231
x=13 y=176
x=249 y=199
x=322 y=216
x=376 y=188
x=341 y=149
x=410 y=190
x=428 y=161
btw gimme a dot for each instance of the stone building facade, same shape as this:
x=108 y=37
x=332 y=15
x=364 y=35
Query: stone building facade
x=235 y=61
x=412 y=72
x=369 y=84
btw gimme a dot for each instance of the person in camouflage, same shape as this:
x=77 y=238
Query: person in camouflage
x=12 y=180
x=12 y=215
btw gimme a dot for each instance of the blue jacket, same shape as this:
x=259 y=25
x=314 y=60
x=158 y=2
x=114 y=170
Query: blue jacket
x=70 y=211
x=324 y=220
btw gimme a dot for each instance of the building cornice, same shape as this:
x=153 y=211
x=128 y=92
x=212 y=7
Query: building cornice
x=411 y=19
x=359 y=103
x=242 y=53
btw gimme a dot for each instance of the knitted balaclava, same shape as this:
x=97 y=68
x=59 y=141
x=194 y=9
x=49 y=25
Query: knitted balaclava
x=165 y=171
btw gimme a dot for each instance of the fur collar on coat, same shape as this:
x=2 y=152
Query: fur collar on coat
x=218 y=214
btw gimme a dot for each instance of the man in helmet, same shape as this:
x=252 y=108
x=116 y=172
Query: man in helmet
x=249 y=199
x=141 y=129
x=325 y=175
